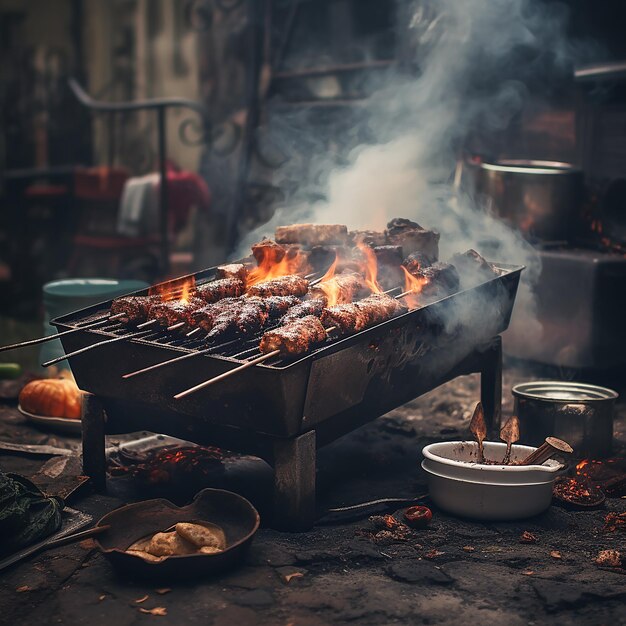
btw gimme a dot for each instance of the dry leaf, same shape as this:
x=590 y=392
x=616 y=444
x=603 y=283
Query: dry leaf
x=527 y=537
x=555 y=554
x=140 y=600
x=163 y=591
x=288 y=577
x=528 y=572
x=469 y=548
x=23 y=588
x=157 y=610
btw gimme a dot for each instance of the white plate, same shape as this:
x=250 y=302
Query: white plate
x=58 y=424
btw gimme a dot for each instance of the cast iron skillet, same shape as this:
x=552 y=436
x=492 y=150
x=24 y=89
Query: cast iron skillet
x=237 y=517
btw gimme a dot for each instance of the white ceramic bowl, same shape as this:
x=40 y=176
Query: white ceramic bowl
x=459 y=485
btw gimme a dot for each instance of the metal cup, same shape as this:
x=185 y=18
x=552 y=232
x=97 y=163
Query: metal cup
x=578 y=413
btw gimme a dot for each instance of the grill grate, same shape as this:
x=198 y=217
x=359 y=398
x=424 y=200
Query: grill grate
x=240 y=350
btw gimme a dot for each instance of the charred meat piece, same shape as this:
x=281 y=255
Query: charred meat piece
x=413 y=238
x=322 y=257
x=232 y=270
x=175 y=311
x=291 y=285
x=205 y=316
x=417 y=261
x=297 y=259
x=136 y=309
x=246 y=318
x=341 y=288
x=277 y=306
x=298 y=336
x=473 y=268
x=442 y=280
x=352 y=318
x=389 y=259
x=308 y=307
x=219 y=289
x=312 y=234
x=226 y=316
x=370 y=238
x=268 y=251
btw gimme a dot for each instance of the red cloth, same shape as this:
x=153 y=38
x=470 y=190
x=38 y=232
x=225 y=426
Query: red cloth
x=185 y=190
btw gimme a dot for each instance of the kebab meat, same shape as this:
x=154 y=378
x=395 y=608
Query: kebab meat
x=357 y=316
x=135 y=309
x=291 y=285
x=220 y=289
x=313 y=307
x=242 y=316
x=297 y=336
x=173 y=312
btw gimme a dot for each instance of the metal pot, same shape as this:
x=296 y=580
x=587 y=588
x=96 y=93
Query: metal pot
x=542 y=199
x=579 y=413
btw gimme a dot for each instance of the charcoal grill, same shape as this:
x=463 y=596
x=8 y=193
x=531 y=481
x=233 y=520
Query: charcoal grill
x=282 y=411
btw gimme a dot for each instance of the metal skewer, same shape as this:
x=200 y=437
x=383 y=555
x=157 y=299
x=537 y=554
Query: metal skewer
x=164 y=363
x=244 y=366
x=95 y=345
x=32 y=342
x=206 y=383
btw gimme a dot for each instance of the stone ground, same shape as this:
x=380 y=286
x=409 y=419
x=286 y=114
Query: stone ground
x=453 y=572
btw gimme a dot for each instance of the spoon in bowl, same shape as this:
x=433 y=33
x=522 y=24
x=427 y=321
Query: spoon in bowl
x=509 y=434
x=478 y=428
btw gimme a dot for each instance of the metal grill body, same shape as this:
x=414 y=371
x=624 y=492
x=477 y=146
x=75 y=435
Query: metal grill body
x=282 y=410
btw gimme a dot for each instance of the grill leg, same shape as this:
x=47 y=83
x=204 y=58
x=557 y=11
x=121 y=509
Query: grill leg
x=491 y=384
x=94 y=459
x=294 y=482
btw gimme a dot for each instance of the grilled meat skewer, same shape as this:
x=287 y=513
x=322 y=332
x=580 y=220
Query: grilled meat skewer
x=297 y=336
x=291 y=285
x=219 y=289
x=308 y=307
x=135 y=309
x=357 y=316
x=175 y=311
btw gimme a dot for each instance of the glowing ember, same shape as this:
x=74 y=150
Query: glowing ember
x=275 y=263
x=577 y=492
x=169 y=464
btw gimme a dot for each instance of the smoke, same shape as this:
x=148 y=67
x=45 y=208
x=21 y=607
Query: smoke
x=474 y=63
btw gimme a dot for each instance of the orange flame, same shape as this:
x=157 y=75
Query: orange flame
x=371 y=268
x=178 y=289
x=415 y=285
x=276 y=263
x=329 y=285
